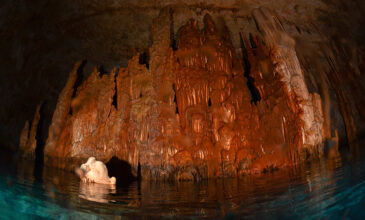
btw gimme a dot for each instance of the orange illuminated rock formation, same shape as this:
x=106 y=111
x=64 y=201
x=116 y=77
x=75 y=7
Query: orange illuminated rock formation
x=199 y=111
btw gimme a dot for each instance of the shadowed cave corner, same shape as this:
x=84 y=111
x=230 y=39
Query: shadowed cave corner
x=122 y=171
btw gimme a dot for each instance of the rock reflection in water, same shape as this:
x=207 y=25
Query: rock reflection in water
x=96 y=192
x=326 y=188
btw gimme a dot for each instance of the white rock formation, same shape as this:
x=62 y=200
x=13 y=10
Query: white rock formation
x=95 y=172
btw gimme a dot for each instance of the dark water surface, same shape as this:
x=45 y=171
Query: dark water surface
x=325 y=189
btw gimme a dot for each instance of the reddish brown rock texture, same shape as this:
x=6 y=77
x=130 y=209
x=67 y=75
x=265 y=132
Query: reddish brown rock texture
x=28 y=141
x=190 y=114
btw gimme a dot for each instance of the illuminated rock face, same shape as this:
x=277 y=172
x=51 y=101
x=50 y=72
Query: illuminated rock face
x=191 y=114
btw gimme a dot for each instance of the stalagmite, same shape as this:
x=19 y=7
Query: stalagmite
x=28 y=141
x=60 y=114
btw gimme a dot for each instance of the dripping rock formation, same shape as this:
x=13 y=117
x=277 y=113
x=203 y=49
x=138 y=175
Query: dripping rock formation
x=182 y=90
x=194 y=110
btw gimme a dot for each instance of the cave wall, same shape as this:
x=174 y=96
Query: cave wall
x=42 y=40
x=192 y=107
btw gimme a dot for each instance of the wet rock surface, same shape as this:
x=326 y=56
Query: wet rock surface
x=188 y=113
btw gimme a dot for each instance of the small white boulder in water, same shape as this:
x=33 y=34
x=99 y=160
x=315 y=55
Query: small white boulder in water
x=95 y=171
